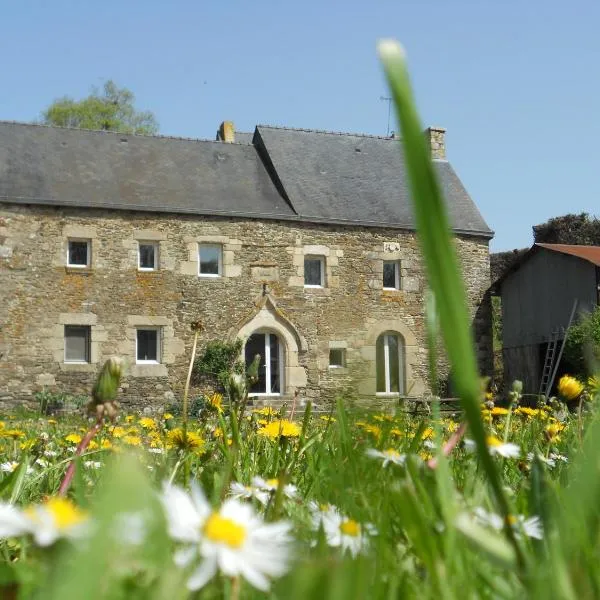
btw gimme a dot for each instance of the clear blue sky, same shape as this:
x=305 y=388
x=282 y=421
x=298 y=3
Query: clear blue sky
x=516 y=83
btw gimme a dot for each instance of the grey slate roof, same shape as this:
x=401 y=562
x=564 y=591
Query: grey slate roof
x=48 y=165
x=290 y=174
x=357 y=178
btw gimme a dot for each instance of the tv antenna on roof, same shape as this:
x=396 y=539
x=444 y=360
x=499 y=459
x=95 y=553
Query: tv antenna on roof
x=387 y=99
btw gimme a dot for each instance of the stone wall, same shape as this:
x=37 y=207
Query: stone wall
x=262 y=286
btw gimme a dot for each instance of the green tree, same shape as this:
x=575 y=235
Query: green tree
x=109 y=109
x=582 y=350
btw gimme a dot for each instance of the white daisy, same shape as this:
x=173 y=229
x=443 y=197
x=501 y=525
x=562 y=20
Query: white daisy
x=234 y=539
x=92 y=464
x=496 y=447
x=531 y=527
x=549 y=462
x=341 y=531
x=156 y=450
x=47 y=522
x=8 y=467
x=388 y=456
x=270 y=486
x=555 y=456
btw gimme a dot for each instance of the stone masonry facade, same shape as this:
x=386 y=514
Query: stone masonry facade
x=261 y=288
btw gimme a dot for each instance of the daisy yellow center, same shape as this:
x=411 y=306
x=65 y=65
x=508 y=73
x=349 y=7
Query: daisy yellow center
x=272 y=482
x=493 y=441
x=350 y=527
x=64 y=513
x=511 y=520
x=225 y=531
x=391 y=453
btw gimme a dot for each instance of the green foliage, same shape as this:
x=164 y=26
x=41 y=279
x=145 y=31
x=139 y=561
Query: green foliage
x=219 y=361
x=569 y=229
x=111 y=109
x=52 y=402
x=582 y=350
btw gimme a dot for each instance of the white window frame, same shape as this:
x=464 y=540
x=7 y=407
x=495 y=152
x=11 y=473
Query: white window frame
x=156 y=246
x=386 y=359
x=321 y=260
x=396 y=264
x=267 y=359
x=158 y=346
x=343 y=352
x=220 y=249
x=88 y=257
x=88 y=349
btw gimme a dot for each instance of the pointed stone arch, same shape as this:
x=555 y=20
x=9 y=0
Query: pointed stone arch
x=267 y=317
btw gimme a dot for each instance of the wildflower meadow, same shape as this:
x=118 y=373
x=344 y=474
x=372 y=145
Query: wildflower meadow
x=498 y=499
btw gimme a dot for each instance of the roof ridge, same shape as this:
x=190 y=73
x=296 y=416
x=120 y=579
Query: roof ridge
x=110 y=132
x=328 y=132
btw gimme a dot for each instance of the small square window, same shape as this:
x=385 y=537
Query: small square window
x=314 y=271
x=337 y=358
x=147 y=349
x=210 y=259
x=391 y=275
x=78 y=253
x=77 y=343
x=147 y=256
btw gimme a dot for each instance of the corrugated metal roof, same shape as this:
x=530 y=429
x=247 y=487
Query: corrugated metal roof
x=589 y=253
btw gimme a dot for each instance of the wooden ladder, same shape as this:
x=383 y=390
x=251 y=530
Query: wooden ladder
x=550 y=366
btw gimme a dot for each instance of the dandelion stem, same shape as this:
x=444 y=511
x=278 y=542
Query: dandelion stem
x=186 y=390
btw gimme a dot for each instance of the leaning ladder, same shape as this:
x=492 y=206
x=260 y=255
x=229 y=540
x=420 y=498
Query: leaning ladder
x=549 y=362
x=550 y=367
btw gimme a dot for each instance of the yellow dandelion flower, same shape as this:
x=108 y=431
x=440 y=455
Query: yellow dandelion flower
x=129 y=419
x=148 y=423
x=12 y=433
x=553 y=429
x=216 y=402
x=498 y=411
x=527 y=411
x=93 y=445
x=374 y=430
x=52 y=422
x=2 y=425
x=569 y=388
x=73 y=438
x=427 y=433
x=106 y=444
x=265 y=411
x=396 y=432
x=27 y=444
x=118 y=432
x=327 y=418
x=176 y=438
x=452 y=426
x=168 y=416
x=280 y=428
x=132 y=440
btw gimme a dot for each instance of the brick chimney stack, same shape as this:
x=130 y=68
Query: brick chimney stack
x=436 y=138
x=227 y=132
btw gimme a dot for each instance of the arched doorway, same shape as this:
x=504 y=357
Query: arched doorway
x=272 y=368
x=390 y=363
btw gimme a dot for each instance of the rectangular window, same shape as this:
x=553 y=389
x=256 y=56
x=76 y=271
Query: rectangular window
x=210 y=260
x=337 y=358
x=147 y=349
x=391 y=274
x=147 y=256
x=314 y=271
x=77 y=343
x=78 y=253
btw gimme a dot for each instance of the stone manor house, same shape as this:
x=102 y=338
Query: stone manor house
x=301 y=242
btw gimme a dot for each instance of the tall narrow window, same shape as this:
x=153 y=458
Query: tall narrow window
x=78 y=253
x=314 y=271
x=147 y=349
x=210 y=260
x=270 y=369
x=147 y=256
x=389 y=358
x=391 y=274
x=77 y=343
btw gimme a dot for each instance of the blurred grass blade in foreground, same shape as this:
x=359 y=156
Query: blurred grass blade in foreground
x=440 y=259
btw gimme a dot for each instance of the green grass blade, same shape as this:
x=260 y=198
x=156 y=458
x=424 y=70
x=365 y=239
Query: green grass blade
x=441 y=261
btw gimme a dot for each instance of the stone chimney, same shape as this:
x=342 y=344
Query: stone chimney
x=437 y=143
x=226 y=132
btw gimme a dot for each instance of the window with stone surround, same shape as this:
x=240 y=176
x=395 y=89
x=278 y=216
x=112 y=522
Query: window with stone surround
x=210 y=260
x=147 y=256
x=271 y=368
x=391 y=274
x=337 y=358
x=390 y=363
x=147 y=345
x=314 y=271
x=78 y=343
x=79 y=253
